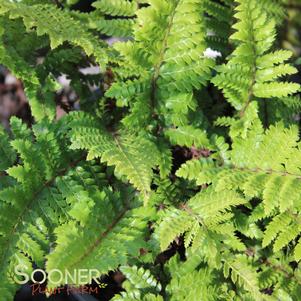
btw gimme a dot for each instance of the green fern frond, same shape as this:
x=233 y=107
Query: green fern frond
x=174 y=62
x=275 y=8
x=138 y=179
x=251 y=72
x=140 y=278
x=253 y=170
x=188 y=136
x=244 y=275
x=122 y=236
x=204 y=217
x=116 y=7
x=32 y=204
x=133 y=157
x=193 y=286
x=219 y=18
x=7 y=153
x=58 y=24
x=115 y=27
x=174 y=224
x=39 y=97
x=140 y=284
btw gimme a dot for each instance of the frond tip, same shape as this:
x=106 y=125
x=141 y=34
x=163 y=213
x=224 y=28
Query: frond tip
x=252 y=72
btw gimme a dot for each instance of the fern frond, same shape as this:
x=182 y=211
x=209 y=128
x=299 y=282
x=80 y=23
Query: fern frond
x=7 y=153
x=174 y=224
x=244 y=275
x=283 y=225
x=57 y=24
x=140 y=278
x=251 y=72
x=38 y=92
x=122 y=236
x=133 y=157
x=32 y=204
x=219 y=17
x=253 y=170
x=116 y=7
x=275 y=9
x=188 y=136
x=193 y=286
x=140 y=284
x=173 y=64
x=125 y=170
x=115 y=27
x=202 y=219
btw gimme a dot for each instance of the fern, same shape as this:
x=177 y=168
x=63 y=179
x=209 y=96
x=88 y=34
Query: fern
x=115 y=27
x=30 y=205
x=242 y=273
x=46 y=19
x=176 y=165
x=133 y=157
x=117 y=7
x=171 y=56
x=125 y=225
x=41 y=104
x=252 y=71
x=188 y=136
x=271 y=177
x=199 y=282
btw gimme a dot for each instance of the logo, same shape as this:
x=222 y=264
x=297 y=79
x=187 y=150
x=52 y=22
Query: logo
x=76 y=281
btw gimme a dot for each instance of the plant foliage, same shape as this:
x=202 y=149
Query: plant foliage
x=183 y=173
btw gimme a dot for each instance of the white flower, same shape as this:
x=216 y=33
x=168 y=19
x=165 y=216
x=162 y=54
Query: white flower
x=211 y=54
